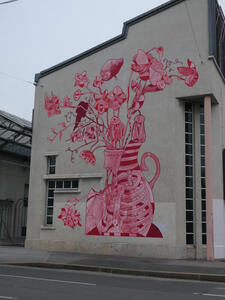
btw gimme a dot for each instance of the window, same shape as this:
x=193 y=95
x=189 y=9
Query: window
x=189 y=174
x=195 y=175
x=202 y=164
x=216 y=34
x=51 y=164
x=52 y=186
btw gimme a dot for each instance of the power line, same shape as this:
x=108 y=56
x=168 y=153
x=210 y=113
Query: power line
x=19 y=78
x=9 y=1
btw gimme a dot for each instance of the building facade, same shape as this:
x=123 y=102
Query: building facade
x=15 y=152
x=132 y=136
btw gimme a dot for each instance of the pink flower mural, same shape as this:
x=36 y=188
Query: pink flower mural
x=69 y=215
x=125 y=207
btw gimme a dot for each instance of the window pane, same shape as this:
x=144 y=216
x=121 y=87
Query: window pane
x=67 y=184
x=51 y=184
x=189 y=193
x=189 y=182
x=50 y=193
x=202 y=139
x=203 y=216
x=202 y=160
x=202 y=129
x=189 y=239
x=75 y=184
x=188 y=107
x=188 y=138
x=188 y=149
x=50 y=211
x=201 y=118
x=188 y=127
x=188 y=160
x=50 y=202
x=52 y=160
x=189 y=215
x=51 y=170
x=203 y=205
x=59 y=184
x=201 y=109
x=203 y=227
x=188 y=117
x=204 y=239
x=189 y=227
x=202 y=171
x=189 y=204
x=203 y=183
x=203 y=193
x=49 y=220
x=202 y=150
x=189 y=171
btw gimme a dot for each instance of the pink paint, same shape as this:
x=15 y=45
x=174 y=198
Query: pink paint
x=111 y=68
x=125 y=207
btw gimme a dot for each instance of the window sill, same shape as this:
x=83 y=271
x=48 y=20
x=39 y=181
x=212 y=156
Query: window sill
x=72 y=176
x=66 y=191
x=45 y=227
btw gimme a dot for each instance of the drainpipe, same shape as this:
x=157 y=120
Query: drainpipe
x=208 y=170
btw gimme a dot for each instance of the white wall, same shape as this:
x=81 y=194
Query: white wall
x=219 y=227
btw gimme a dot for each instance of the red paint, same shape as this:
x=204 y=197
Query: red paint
x=125 y=207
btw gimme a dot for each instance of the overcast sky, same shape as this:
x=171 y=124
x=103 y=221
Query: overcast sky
x=37 y=34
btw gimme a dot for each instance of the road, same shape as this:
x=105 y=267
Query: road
x=24 y=283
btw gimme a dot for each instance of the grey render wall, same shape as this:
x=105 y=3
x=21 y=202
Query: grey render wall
x=14 y=178
x=183 y=32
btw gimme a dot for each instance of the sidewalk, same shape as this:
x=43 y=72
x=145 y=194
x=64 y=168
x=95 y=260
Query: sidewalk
x=181 y=269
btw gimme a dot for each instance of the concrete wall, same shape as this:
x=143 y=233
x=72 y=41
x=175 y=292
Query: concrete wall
x=183 y=32
x=14 y=175
x=219 y=228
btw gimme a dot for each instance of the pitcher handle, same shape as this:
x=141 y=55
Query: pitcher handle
x=145 y=168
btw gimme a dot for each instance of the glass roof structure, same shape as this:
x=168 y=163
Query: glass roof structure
x=15 y=134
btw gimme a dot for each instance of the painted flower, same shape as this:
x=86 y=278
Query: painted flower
x=52 y=105
x=70 y=216
x=111 y=68
x=157 y=75
x=67 y=102
x=81 y=79
x=136 y=87
x=101 y=102
x=190 y=73
x=116 y=98
x=98 y=82
x=76 y=136
x=88 y=157
x=150 y=68
x=89 y=133
x=141 y=64
x=101 y=106
x=77 y=94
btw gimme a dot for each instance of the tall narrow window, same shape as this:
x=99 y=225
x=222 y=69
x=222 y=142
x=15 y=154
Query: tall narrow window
x=50 y=202
x=203 y=180
x=51 y=164
x=189 y=174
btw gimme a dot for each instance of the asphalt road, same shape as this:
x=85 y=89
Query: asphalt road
x=24 y=283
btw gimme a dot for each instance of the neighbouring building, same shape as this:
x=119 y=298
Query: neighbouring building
x=15 y=152
x=128 y=141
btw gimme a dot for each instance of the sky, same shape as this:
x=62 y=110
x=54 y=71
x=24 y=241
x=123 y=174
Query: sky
x=38 y=34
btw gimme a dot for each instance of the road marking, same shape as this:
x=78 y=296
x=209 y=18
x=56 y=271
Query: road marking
x=45 y=279
x=6 y=297
x=210 y=295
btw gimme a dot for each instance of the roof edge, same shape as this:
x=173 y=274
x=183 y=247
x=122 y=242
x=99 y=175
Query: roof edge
x=110 y=42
